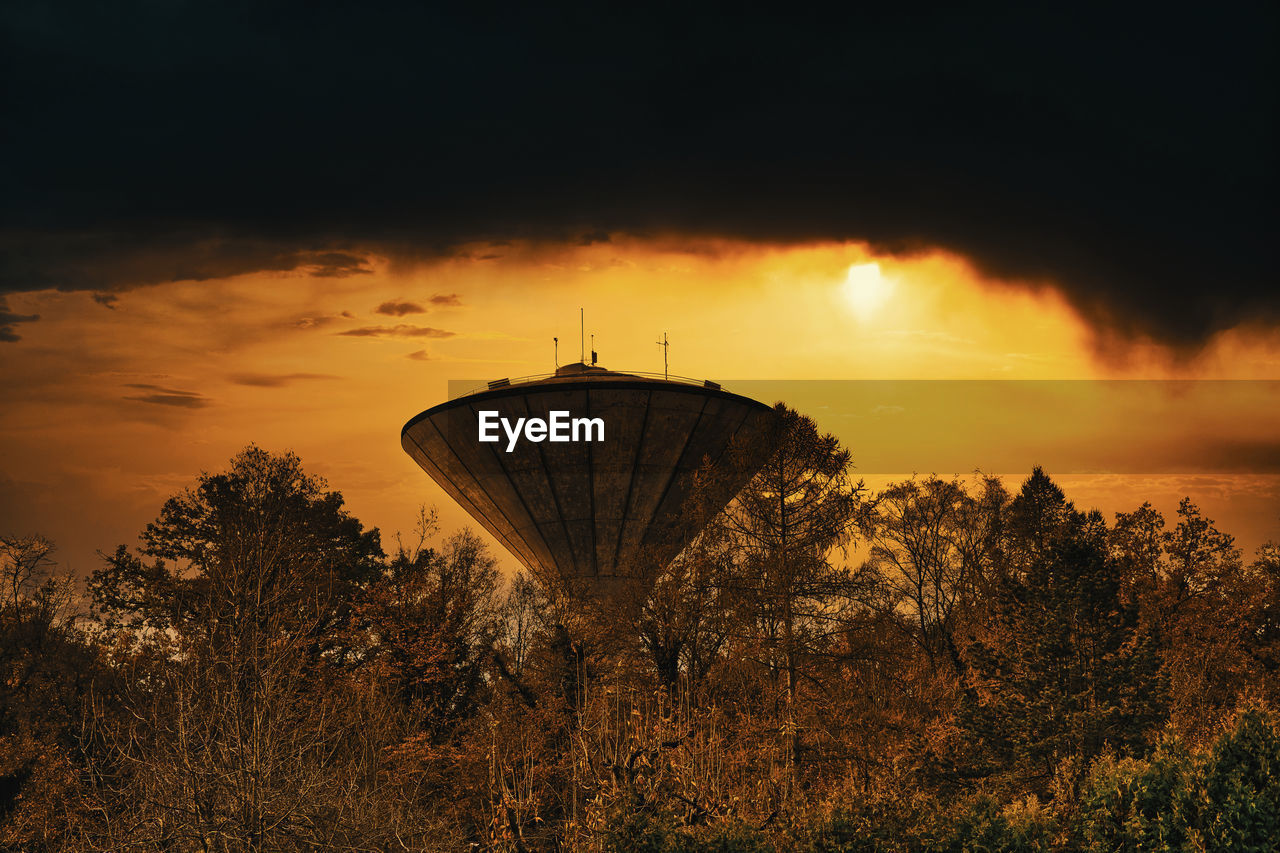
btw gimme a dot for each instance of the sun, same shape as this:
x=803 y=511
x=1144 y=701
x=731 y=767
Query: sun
x=866 y=290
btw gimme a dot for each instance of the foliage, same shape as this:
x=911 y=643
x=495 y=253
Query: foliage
x=941 y=666
x=1240 y=808
x=640 y=832
x=261 y=538
x=790 y=594
x=1066 y=671
x=931 y=548
x=1134 y=804
x=1225 y=799
x=46 y=669
x=978 y=825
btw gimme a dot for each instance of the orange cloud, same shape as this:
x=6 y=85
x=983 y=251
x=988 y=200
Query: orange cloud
x=403 y=331
x=399 y=309
x=270 y=380
x=162 y=396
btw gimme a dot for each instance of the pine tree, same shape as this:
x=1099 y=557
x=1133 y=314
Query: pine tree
x=1066 y=671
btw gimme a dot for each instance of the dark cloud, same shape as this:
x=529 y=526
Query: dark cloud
x=161 y=396
x=275 y=380
x=399 y=309
x=335 y=265
x=402 y=330
x=122 y=258
x=106 y=300
x=8 y=320
x=419 y=355
x=446 y=300
x=1125 y=155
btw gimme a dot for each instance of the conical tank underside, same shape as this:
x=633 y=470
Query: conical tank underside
x=594 y=512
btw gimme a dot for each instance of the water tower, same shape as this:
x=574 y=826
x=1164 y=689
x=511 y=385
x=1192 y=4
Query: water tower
x=610 y=509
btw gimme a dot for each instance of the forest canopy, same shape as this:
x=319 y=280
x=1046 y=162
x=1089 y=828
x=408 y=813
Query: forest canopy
x=944 y=664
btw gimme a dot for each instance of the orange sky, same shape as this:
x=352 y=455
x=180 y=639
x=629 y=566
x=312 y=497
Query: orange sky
x=110 y=410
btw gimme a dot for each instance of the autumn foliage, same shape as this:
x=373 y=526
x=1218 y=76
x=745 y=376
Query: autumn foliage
x=942 y=665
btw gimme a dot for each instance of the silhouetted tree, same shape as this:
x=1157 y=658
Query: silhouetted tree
x=263 y=538
x=238 y=721
x=1210 y=607
x=432 y=622
x=686 y=616
x=520 y=624
x=47 y=668
x=784 y=525
x=1065 y=671
x=931 y=548
x=262 y=677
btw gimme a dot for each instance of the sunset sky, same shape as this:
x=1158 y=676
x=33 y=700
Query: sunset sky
x=222 y=226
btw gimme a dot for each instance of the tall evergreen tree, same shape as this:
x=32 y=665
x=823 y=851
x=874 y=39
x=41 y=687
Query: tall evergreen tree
x=1066 y=670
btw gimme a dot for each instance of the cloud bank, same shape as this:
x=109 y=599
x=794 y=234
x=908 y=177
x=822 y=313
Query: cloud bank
x=1124 y=157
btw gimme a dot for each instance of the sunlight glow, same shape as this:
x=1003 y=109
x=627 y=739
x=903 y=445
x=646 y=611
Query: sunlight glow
x=867 y=290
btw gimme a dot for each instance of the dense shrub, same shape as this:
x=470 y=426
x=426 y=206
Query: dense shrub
x=981 y=825
x=1226 y=800
x=1131 y=804
x=988 y=827
x=644 y=832
x=1240 y=789
x=869 y=827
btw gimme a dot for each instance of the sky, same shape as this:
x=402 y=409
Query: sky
x=296 y=224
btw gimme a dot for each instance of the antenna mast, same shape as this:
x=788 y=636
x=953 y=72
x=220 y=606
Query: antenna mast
x=582 y=336
x=664 y=344
x=557 y=351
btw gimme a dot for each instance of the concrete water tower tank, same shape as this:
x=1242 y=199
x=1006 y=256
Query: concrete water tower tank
x=593 y=513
